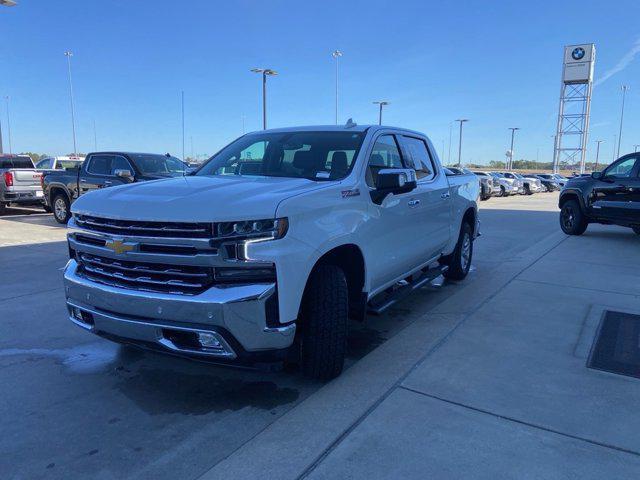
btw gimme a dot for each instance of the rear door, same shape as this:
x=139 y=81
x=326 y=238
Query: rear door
x=617 y=193
x=432 y=193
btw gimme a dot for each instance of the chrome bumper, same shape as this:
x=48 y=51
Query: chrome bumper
x=234 y=317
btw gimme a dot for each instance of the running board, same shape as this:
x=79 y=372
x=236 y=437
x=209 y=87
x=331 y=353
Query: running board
x=393 y=295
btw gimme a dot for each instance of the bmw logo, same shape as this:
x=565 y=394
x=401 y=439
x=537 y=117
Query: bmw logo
x=578 y=53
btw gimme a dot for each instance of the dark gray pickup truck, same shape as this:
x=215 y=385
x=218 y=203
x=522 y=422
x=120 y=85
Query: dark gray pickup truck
x=101 y=170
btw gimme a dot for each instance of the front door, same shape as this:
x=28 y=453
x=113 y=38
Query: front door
x=616 y=195
x=392 y=227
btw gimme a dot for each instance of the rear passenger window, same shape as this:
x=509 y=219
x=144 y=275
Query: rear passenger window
x=420 y=157
x=100 y=165
x=385 y=154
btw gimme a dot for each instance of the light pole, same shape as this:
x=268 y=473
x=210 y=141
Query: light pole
x=513 y=133
x=450 y=133
x=635 y=148
x=8 y=125
x=624 y=94
x=95 y=136
x=461 y=120
x=69 y=54
x=336 y=54
x=598 y=142
x=182 y=124
x=264 y=72
x=381 y=103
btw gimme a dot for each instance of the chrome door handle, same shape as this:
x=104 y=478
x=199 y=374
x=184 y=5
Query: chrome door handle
x=413 y=202
x=445 y=195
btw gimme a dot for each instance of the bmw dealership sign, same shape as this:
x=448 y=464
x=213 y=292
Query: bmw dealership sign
x=578 y=63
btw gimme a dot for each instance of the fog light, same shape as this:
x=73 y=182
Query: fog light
x=208 y=340
x=77 y=313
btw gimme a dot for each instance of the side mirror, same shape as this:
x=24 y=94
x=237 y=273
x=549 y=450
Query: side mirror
x=125 y=174
x=596 y=175
x=393 y=180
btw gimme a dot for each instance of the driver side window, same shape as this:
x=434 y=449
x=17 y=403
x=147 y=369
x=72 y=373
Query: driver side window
x=385 y=154
x=622 y=169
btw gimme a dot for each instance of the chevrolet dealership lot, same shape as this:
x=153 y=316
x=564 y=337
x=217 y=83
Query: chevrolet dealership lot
x=493 y=364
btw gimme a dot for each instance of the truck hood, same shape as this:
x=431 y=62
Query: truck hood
x=194 y=198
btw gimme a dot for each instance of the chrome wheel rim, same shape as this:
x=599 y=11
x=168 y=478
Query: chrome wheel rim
x=568 y=218
x=465 y=256
x=60 y=208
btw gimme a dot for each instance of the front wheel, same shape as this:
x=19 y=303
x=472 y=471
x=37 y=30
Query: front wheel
x=324 y=323
x=572 y=219
x=459 y=261
x=61 y=208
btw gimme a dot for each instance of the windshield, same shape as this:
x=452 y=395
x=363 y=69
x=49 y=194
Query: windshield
x=311 y=155
x=150 y=164
x=496 y=175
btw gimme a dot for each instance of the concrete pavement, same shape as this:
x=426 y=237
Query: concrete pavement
x=490 y=383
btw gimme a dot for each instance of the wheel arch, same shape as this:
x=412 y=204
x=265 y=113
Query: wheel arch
x=350 y=259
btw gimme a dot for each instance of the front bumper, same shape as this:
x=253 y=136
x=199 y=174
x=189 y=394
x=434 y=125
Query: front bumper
x=233 y=318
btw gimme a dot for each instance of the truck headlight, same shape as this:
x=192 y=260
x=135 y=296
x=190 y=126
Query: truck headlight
x=268 y=229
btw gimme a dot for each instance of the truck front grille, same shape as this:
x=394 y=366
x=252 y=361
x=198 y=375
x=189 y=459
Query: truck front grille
x=154 y=277
x=145 y=229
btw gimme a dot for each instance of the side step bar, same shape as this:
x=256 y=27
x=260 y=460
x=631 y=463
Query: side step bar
x=393 y=295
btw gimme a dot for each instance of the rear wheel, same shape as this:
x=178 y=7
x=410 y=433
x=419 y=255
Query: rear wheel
x=324 y=323
x=459 y=261
x=61 y=208
x=572 y=219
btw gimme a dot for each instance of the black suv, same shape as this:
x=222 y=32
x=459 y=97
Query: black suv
x=609 y=197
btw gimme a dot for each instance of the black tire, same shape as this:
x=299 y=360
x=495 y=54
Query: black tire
x=3 y=208
x=459 y=261
x=572 y=219
x=503 y=191
x=61 y=208
x=527 y=190
x=636 y=230
x=324 y=320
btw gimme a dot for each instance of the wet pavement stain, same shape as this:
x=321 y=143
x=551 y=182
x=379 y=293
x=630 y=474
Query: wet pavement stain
x=362 y=341
x=162 y=391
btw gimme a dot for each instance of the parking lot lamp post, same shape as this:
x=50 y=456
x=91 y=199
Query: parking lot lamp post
x=598 y=142
x=264 y=72
x=513 y=133
x=69 y=54
x=461 y=121
x=624 y=94
x=8 y=125
x=381 y=103
x=336 y=54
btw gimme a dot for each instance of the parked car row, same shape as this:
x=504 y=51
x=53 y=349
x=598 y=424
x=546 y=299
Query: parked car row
x=55 y=182
x=503 y=184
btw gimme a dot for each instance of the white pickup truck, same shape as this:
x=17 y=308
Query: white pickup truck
x=267 y=251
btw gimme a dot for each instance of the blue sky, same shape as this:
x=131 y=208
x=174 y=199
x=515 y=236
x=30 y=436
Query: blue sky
x=497 y=63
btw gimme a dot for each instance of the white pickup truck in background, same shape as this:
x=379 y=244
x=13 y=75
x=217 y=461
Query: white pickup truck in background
x=270 y=247
x=20 y=182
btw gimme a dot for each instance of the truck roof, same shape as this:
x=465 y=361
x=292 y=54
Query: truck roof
x=334 y=128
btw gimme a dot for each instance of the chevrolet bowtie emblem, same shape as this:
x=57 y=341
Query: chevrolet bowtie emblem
x=118 y=246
